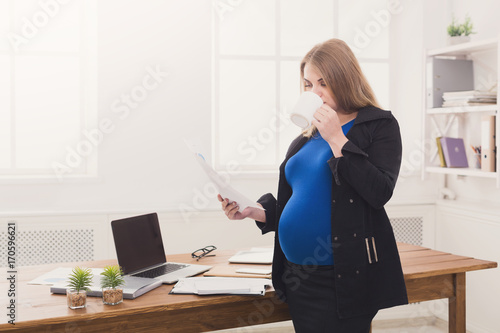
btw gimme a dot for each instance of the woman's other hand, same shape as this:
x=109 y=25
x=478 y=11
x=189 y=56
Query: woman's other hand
x=232 y=213
x=328 y=124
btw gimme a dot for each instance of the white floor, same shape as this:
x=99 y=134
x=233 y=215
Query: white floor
x=427 y=325
x=419 y=325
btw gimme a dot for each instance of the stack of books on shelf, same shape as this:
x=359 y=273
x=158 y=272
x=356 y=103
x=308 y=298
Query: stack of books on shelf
x=469 y=98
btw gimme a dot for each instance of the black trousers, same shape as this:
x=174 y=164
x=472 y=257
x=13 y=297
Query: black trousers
x=312 y=301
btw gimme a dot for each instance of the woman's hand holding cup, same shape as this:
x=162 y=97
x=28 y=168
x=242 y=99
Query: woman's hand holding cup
x=303 y=111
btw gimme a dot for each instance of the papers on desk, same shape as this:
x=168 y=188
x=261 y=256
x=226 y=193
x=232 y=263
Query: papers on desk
x=57 y=275
x=240 y=272
x=221 y=286
x=58 y=279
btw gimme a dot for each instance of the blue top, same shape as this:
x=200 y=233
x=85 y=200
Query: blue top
x=305 y=224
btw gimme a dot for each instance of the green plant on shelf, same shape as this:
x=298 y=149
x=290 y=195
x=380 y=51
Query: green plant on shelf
x=464 y=29
x=467 y=26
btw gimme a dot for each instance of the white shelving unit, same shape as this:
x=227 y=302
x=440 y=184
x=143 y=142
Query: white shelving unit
x=464 y=49
x=461 y=121
x=485 y=109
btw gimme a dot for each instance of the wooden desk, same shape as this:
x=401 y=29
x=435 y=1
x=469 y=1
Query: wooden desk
x=429 y=275
x=433 y=275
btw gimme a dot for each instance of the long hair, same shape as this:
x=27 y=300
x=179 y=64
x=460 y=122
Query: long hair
x=336 y=64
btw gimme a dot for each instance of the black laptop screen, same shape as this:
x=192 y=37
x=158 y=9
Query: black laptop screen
x=138 y=242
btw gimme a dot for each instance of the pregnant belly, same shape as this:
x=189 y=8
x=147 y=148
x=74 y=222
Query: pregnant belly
x=304 y=229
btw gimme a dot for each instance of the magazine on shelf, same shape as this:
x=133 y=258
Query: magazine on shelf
x=469 y=98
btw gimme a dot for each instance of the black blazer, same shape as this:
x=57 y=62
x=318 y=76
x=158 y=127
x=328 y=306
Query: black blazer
x=368 y=274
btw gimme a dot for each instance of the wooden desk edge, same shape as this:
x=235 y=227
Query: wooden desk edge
x=190 y=306
x=484 y=265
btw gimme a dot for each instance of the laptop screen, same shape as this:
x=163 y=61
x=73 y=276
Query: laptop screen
x=138 y=242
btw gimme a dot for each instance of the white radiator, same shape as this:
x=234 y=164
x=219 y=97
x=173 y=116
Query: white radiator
x=409 y=229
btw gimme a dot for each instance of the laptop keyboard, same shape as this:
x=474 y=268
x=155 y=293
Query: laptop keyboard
x=161 y=270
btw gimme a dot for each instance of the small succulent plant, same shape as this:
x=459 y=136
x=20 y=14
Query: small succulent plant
x=112 y=277
x=80 y=279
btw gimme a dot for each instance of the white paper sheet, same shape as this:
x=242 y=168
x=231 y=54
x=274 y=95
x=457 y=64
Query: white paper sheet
x=253 y=257
x=222 y=183
x=59 y=275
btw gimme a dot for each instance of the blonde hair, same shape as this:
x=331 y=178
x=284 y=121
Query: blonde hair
x=336 y=64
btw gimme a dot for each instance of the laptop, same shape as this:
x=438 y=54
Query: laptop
x=140 y=252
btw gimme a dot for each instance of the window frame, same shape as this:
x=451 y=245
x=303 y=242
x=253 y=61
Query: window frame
x=263 y=171
x=88 y=101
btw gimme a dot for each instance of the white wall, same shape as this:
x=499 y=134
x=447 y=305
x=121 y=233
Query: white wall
x=406 y=51
x=142 y=163
x=483 y=14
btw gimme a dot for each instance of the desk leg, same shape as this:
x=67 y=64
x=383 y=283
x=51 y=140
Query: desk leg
x=456 y=305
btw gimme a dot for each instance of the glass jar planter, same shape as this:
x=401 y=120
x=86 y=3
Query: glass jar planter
x=112 y=296
x=76 y=299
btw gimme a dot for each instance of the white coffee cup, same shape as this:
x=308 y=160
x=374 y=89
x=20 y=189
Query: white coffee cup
x=303 y=111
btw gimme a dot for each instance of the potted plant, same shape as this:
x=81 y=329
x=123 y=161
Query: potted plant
x=460 y=33
x=80 y=280
x=112 y=278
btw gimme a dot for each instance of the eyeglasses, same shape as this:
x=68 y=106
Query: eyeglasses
x=204 y=252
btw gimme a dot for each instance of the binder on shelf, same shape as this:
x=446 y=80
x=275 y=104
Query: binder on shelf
x=442 y=162
x=448 y=75
x=454 y=152
x=488 y=156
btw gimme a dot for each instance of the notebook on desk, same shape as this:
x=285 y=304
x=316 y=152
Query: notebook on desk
x=140 y=251
x=253 y=256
